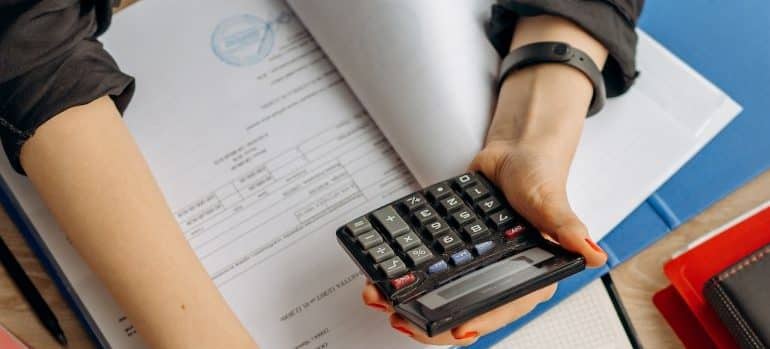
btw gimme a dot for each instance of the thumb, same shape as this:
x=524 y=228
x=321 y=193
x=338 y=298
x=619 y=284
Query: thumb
x=549 y=211
x=539 y=195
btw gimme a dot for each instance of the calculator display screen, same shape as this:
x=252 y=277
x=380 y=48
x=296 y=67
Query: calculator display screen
x=488 y=281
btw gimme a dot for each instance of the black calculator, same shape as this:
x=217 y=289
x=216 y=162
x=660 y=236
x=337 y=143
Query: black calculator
x=453 y=251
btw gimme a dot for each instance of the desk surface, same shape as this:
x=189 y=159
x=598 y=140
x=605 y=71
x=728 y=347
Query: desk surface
x=637 y=279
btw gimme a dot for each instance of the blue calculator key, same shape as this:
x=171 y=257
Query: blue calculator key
x=484 y=247
x=461 y=257
x=438 y=267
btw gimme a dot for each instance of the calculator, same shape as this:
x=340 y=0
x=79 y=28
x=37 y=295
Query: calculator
x=451 y=252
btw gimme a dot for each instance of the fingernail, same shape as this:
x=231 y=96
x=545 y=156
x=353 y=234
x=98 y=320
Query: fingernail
x=404 y=330
x=467 y=335
x=594 y=245
x=376 y=306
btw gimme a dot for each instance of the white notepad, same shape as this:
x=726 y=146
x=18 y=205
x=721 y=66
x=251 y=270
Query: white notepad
x=585 y=320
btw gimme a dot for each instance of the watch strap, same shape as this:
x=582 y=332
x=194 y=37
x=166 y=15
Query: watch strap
x=556 y=52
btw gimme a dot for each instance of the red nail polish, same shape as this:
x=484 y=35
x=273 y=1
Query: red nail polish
x=404 y=330
x=468 y=335
x=376 y=306
x=594 y=245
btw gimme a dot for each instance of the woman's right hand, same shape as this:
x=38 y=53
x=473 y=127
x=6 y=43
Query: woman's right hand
x=532 y=175
x=529 y=149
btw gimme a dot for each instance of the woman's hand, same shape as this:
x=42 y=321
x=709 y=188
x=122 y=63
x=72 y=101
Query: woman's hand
x=529 y=149
x=529 y=152
x=527 y=155
x=466 y=333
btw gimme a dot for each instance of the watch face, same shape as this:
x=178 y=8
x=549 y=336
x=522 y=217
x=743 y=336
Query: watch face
x=560 y=49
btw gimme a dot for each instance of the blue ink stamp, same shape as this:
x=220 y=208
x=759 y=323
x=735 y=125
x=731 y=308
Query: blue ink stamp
x=245 y=39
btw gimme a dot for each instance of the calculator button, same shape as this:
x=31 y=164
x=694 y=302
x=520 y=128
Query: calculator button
x=359 y=226
x=501 y=220
x=465 y=180
x=391 y=221
x=380 y=252
x=369 y=239
x=393 y=267
x=476 y=192
x=449 y=241
x=515 y=232
x=450 y=203
x=438 y=191
x=413 y=202
x=403 y=281
x=487 y=206
x=425 y=216
x=419 y=255
x=476 y=231
x=483 y=181
x=484 y=247
x=436 y=228
x=438 y=267
x=463 y=217
x=461 y=257
x=407 y=241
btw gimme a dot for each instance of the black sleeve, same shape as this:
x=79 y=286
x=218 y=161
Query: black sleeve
x=611 y=22
x=50 y=60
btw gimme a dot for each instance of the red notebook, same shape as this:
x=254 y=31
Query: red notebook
x=9 y=341
x=680 y=318
x=689 y=271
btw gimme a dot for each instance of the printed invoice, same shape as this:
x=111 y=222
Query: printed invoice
x=266 y=156
x=262 y=151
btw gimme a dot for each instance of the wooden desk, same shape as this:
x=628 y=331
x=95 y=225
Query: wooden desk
x=639 y=278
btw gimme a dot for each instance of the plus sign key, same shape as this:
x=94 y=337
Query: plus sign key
x=391 y=221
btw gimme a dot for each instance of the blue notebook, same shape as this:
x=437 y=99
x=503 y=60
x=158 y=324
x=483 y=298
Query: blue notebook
x=730 y=46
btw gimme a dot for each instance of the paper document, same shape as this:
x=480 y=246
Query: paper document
x=427 y=75
x=261 y=155
x=266 y=155
x=425 y=72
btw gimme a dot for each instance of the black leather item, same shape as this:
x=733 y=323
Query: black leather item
x=740 y=295
x=556 y=52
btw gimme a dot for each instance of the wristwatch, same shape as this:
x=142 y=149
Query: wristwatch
x=556 y=52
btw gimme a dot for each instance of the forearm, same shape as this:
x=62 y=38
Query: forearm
x=535 y=131
x=90 y=173
x=546 y=101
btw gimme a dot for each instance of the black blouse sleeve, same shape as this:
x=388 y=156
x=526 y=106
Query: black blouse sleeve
x=611 y=22
x=50 y=60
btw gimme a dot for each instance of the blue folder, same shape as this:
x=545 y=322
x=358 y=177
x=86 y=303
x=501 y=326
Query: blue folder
x=728 y=43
